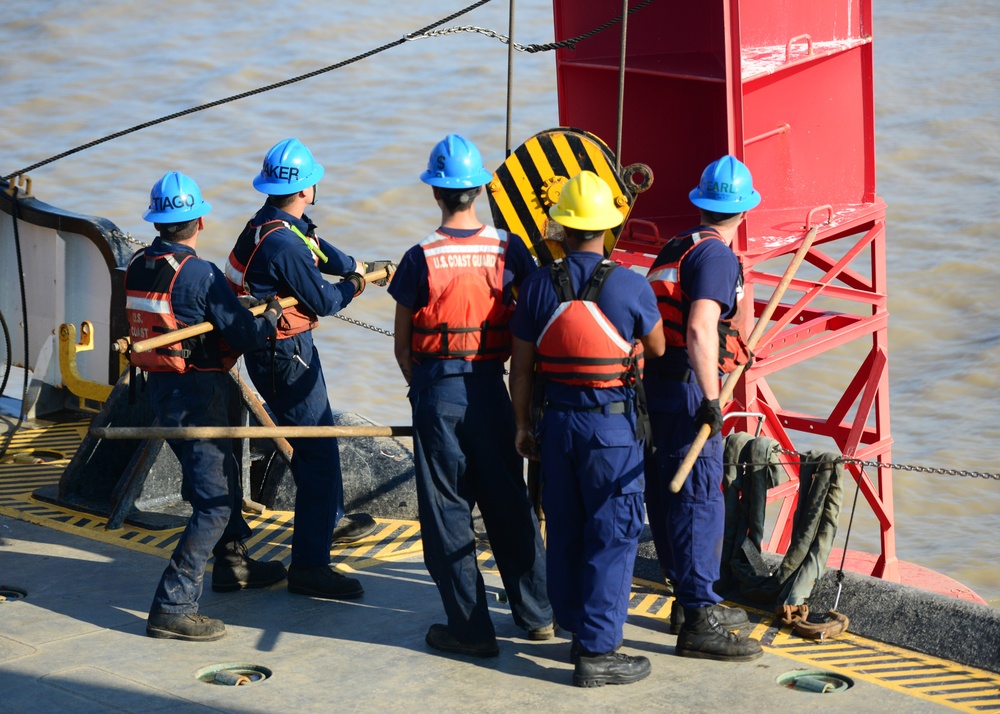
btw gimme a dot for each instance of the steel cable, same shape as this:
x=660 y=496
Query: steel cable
x=423 y=33
x=244 y=95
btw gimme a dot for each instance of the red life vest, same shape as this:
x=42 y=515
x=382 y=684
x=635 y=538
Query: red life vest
x=674 y=305
x=579 y=345
x=465 y=316
x=293 y=319
x=148 y=306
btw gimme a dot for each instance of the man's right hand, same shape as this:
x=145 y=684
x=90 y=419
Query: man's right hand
x=387 y=265
x=709 y=412
x=524 y=442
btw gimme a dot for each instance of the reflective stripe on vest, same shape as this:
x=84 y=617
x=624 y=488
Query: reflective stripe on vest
x=465 y=316
x=149 y=284
x=579 y=345
x=294 y=319
x=674 y=305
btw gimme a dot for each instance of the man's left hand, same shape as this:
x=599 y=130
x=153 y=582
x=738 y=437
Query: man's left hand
x=249 y=301
x=387 y=265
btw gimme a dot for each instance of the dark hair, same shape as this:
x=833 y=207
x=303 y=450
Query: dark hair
x=581 y=236
x=716 y=218
x=282 y=200
x=458 y=199
x=177 y=231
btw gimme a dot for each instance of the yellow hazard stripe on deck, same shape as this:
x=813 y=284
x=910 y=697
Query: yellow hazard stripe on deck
x=956 y=686
x=923 y=676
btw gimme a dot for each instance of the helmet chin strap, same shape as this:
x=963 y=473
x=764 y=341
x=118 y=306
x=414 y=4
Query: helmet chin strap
x=315 y=194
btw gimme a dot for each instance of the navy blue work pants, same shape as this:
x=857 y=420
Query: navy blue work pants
x=687 y=526
x=592 y=483
x=463 y=439
x=293 y=387
x=210 y=481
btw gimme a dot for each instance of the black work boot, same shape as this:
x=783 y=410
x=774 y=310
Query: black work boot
x=703 y=637
x=575 y=649
x=353 y=527
x=596 y=670
x=184 y=626
x=439 y=638
x=235 y=570
x=731 y=618
x=323 y=581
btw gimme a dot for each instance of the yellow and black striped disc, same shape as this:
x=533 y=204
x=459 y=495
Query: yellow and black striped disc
x=530 y=180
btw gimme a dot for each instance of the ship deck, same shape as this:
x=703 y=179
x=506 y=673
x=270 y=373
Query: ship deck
x=72 y=633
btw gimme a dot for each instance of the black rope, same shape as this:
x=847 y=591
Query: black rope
x=244 y=95
x=510 y=79
x=8 y=362
x=621 y=90
x=570 y=43
x=847 y=538
x=24 y=315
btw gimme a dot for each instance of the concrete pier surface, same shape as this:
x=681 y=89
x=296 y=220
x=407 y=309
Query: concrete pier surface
x=72 y=639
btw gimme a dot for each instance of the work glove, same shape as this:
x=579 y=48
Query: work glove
x=359 y=282
x=249 y=301
x=386 y=265
x=274 y=306
x=709 y=413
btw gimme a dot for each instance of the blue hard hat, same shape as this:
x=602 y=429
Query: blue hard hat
x=175 y=198
x=726 y=187
x=289 y=167
x=455 y=162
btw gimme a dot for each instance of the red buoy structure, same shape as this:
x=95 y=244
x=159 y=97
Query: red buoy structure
x=787 y=88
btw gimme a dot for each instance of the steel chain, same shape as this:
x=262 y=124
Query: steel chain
x=897 y=467
x=244 y=95
x=531 y=49
x=359 y=323
x=127 y=237
x=471 y=28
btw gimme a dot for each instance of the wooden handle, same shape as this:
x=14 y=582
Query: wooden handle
x=677 y=483
x=246 y=432
x=202 y=327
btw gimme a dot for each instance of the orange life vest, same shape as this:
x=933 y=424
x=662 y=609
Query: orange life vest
x=579 y=345
x=148 y=285
x=294 y=319
x=465 y=316
x=674 y=305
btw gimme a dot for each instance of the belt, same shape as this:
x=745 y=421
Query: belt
x=612 y=408
x=667 y=375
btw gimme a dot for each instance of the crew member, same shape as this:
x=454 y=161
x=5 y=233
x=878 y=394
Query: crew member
x=698 y=281
x=167 y=286
x=279 y=253
x=581 y=327
x=453 y=295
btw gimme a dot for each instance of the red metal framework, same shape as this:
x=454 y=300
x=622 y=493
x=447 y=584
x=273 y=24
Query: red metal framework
x=786 y=86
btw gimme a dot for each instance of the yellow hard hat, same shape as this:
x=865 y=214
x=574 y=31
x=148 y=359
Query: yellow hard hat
x=586 y=203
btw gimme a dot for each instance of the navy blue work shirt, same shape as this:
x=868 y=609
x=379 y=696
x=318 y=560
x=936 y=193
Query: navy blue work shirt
x=626 y=300
x=284 y=265
x=710 y=271
x=201 y=294
x=409 y=288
